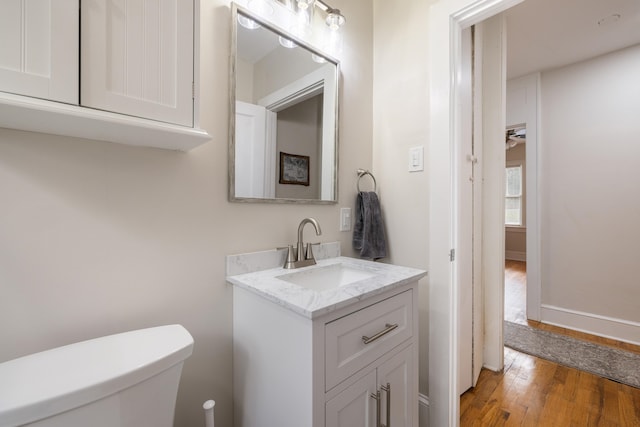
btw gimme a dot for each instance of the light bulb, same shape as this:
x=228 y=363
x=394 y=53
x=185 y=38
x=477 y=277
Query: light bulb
x=286 y=43
x=304 y=4
x=247 y=22
x=261 y=7
x=334 y=19
x=317 y=58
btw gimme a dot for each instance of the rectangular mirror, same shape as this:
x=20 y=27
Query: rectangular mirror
x=283 y=133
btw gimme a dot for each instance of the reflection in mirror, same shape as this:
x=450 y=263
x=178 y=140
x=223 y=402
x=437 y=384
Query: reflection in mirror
x=283 y=106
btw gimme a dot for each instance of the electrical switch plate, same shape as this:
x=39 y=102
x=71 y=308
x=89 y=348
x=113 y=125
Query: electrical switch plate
x=416 y=159
x=345 y=219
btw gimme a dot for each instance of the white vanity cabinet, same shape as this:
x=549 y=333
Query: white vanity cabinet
x=294 y=371
x=109 y=70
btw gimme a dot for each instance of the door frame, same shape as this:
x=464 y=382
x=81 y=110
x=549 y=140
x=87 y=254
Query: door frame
x=447 y=19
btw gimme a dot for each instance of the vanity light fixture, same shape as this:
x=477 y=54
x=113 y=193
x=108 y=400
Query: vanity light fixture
x=247 y=22
x=304 y=4
x=335 y=19
x=261 y=7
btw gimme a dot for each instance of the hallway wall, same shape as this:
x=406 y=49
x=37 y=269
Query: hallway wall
x=589 y=185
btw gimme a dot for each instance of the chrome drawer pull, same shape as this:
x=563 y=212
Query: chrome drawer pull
x=388 y=328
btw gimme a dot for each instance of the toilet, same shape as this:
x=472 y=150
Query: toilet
x=124 y=380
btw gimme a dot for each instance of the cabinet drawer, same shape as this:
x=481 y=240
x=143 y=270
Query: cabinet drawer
x=345 y=349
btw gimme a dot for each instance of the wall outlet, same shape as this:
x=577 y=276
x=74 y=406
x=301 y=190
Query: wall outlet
x=345 y=219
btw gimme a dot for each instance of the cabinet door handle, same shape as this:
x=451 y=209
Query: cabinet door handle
x=376 y=396
x=388 y=328
x=387 y=389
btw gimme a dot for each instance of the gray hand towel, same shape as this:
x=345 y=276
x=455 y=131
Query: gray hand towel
x=368 y=232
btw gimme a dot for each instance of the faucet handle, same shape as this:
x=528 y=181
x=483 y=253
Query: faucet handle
x=291 y=256
x=308 y=253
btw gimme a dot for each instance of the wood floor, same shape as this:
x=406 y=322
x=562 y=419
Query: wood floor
x=535 y=392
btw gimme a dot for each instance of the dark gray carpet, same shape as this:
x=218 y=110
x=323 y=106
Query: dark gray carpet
x=617 y=365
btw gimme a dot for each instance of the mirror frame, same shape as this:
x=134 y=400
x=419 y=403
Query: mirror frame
x=236 y=9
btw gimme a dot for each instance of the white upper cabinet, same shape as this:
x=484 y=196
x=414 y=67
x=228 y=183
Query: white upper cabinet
x=110 y=70
x=39 y=48
x=137 y=58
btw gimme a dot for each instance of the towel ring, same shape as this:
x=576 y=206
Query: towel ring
x=361 y=173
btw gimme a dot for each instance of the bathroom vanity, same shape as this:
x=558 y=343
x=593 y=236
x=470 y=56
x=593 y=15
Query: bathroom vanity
x=334 y=344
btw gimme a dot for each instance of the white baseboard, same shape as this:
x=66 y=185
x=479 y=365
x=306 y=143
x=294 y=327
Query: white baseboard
x=423 y=410
x=608 y=327
x=515 y=255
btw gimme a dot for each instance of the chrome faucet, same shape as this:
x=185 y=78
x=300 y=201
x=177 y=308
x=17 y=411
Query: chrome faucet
x=302 y=256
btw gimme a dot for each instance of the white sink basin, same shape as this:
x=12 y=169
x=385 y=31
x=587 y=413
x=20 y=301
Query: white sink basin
x=327 y=277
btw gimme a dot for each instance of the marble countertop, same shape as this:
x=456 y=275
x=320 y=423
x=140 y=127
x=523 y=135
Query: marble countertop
x=311 y=303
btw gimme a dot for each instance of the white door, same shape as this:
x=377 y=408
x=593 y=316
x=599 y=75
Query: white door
x=354 y=406
x=250 y=144
x=137 y=58
x=493 y=125
x=478 y=235
x=39 y=50
x=468 y=233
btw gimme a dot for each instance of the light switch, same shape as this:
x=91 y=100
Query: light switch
x=416 y=159
x=345 y=219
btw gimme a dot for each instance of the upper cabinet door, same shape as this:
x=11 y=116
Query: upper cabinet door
x=39 y=48
x=137 y=58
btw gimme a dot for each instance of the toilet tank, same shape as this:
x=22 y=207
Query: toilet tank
x=124 y=380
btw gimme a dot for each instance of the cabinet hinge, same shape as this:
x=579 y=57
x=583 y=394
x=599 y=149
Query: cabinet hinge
x=452 y=255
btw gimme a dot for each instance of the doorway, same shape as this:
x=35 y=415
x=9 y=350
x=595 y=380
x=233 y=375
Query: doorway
x=447 y=20
x=515 y=242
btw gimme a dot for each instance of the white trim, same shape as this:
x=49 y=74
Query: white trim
x=591 y=323
x=515 y=255
x=423 y=410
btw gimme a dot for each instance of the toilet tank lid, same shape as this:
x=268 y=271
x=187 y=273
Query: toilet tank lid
x=47 y=383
